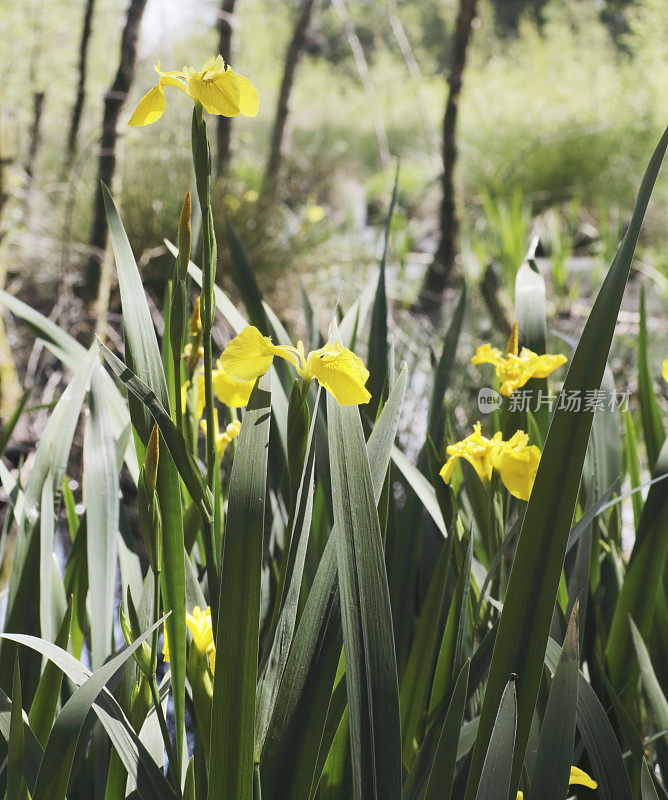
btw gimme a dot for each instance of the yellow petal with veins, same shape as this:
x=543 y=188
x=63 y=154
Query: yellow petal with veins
x=150 y=108
x=249 y=98
x=219 y=94
x=230 y=392
x=341 y=372
x=250 y=355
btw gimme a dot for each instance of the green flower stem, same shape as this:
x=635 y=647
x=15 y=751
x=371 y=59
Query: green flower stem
x=171 y=757
x=156 y=616
x=202 y=164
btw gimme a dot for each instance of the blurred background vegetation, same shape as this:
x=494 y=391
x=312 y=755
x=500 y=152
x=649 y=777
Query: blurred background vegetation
x=561 y=105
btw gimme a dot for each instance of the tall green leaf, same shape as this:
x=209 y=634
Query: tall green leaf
x=378 y=356
x=371 y=676
x=100 y=486
x=527 y=612
x=497 y=767
x=551 y=770
x=45 y=702
x=649 y=408
x=290 y=757
x=16 y=740
x=442 y=774
x=142 y=356
x=644 y=577
x=60 y=748
x=436 y=414
x=23 y=602
x=238 y=624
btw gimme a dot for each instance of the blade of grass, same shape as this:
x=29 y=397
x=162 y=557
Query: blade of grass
x=101 y=488
x=289 y=761
x=15 y=743
x=233 y=705
x=442 y=774
x=549 y=779
x=23 y=602
x=598 y=736
x=644 y=577
x=650 y=413
x=371 y=677
x=378 y=361
x=497 y=768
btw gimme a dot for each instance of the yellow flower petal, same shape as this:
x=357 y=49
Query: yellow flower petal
x=477 y=450
x=341 y=372
x=248 y=355
x=218 y=94
x=665 y=370
x=542 y=366
x=150 y=108
x=486 y=354
x=448 y=468
x=517 y=464
x=249 y=98
x=230 y=392
x=580 y=778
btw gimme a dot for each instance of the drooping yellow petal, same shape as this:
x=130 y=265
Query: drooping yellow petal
x=230 y=392
x=248 y=355
x=542 y=366
x=219 y=94
x=249 y=97
x=517 y=464
x=477 y=450
x=150 y=108
x=341 y=372
x=580 y=778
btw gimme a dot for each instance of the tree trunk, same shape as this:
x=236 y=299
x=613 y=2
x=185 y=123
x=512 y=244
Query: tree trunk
x=292 y=57
x=439 y=271
x=35 y=135
x=81 y=91
x=113 y=103
x=224 y=129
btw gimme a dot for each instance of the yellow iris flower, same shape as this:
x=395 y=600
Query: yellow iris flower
x=222 y=439
x=515 y=460
x=578 y=778
x=665 y=370
x=217 y=87
x=199 y=623
x=515 y=370
x=339 y=370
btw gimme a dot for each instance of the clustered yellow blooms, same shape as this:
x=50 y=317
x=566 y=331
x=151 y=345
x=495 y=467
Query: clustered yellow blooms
x=337 y=369
x=199 y=623
x=578 y=778
x=217 y=87
x=224 y=438
x=515 y=370
x=515 y=460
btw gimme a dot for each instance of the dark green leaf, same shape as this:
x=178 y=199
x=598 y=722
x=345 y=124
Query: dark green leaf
x=371 y=677
x=552 y=767
x=233 y=707
x=497 y=768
